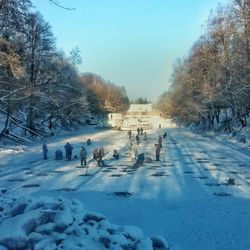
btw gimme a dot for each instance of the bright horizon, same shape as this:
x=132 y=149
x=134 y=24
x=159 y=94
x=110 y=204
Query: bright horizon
x=131 y=43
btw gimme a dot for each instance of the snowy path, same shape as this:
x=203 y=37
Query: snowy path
x=185 y=199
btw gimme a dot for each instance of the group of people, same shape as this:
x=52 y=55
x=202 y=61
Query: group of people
x=98 y=153
x=68 y=153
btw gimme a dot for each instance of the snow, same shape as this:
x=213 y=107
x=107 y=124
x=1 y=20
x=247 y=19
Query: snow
x=184 y=202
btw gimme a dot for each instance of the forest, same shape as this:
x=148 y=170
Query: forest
x=41 y=87
x=211 y=86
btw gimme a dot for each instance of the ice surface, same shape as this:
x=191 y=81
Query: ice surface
x=168 y=198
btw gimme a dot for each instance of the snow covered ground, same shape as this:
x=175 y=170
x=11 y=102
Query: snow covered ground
x=184 y=198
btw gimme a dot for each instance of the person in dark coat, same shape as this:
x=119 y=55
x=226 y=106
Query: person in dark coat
x=145 y=136
x=83 y=156
x=45 y=151
x=137 y=139
x=66 y=147
x=129 y=134
x=97 y=155
x=141 y=131
x=140 y=160
x=100 y=155
x=58 y=154
x=70 y=152
x=116 y=154
x=138 y=130
x=88 y=142
x=165 y=135
x=157 y=152
x=160 y=141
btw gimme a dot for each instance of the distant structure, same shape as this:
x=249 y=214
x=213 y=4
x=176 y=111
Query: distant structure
x=138 y=116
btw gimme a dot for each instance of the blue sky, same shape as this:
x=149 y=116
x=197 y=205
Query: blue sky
x=132 y=43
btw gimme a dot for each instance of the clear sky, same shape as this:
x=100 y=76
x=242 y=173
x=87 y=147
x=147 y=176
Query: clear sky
x=132 y=43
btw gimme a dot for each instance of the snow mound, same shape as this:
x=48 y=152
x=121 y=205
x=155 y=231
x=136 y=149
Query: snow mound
x=60 y=223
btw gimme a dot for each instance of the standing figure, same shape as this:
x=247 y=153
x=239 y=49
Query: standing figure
x=135 y=152
x=45 y=151
x=83 y=156
x=95 y=154
x=141 y=131
x=160 y=141
x=101 y=151
x=145 y=136
x=100 y=156
x=138 y=130
x=157 y=152
x=137 y=139
x=70 y=152
x=66 y=147
x=165 y=135
x=129 y=134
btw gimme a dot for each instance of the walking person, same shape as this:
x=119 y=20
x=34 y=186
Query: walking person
x=45 y=151
x=83 y=156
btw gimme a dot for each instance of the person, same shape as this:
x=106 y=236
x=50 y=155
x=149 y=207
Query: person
x=141 y=131
x=165 y=135
x=138 y=130
x=116 y=154
x=137 y=139
x=59 y=154
x=68 y=149
x=45 y=151
x=88 y=142
x=157 y=152
x=95 y=154
x=159 y=125
x=140 y=160
x=145 y=136
x=98 y=155
x=101 y=151
x=129 y=134
x=70 y=152
x=83 y=156
x=135 y=152
x=160 y=141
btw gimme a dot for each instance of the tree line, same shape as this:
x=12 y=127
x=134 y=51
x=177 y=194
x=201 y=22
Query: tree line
x=40 y=87
x=211 y=87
